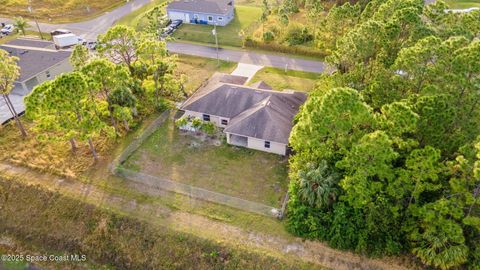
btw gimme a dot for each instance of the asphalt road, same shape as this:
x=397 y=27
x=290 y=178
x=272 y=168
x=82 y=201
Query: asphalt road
x=92 y=28
x=248 y=57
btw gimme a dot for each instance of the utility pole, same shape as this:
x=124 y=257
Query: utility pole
x=214 y=31
x=30 y=9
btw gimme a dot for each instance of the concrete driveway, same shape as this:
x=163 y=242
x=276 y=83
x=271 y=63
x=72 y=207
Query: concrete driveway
x=246 y=70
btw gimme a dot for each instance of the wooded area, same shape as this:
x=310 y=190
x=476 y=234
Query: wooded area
x=387 y=148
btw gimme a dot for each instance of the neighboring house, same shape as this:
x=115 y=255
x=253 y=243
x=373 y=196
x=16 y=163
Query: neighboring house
x=38 y=62
x=219 y=12
x=251 y=117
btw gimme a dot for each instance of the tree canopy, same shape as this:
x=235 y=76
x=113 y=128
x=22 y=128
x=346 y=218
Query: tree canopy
x=391 y=138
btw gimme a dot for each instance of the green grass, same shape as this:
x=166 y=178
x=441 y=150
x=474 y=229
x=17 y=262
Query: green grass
x=28 y=33
x=198 y=69
x=239 y=172
x=463 y=3
x=133 y=19
x=279 y=79
x=69 y=226
x=245 y=17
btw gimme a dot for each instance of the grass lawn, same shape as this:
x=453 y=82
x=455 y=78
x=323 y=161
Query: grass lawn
x=245 y=16
x=28 y=34
x=197 y=70
x=134 y=17
x=279 y=80
x=463 y=3
x=239 y=172
x=55 y=11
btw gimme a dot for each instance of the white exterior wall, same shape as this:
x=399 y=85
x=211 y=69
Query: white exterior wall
x=56 y=70
x=253 y=143
x=175 y=15
x=276 y=148
x=217 y=120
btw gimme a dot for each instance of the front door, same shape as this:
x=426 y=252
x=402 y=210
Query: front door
x=187 y=18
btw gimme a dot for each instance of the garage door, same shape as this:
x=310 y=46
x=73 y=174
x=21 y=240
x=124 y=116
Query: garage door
x=176 y=15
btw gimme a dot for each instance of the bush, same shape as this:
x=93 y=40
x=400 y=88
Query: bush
x=268 y=36
x=297 y=34
x=181 y=122
x=163 y=105
x=209 y=128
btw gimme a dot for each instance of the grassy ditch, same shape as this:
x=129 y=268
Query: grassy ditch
x=66 y=225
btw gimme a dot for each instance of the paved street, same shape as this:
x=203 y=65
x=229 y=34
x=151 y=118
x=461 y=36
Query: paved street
x=248 y=57
x=92 y=28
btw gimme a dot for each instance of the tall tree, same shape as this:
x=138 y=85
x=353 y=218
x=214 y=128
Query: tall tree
x=9 y=73
x=265 y=13
x=314 y=9
x=64 y=107
x=103 y=77
x=119 y=45
x=160 y=65
x=79 y=57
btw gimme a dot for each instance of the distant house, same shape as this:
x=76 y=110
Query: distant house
x=38 y=62
x=251 y=117
x=219 y=12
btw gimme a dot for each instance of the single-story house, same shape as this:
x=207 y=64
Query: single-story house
x=38 y=62
x=219 y=12
x=250 y=117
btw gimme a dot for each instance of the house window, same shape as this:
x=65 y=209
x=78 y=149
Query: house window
x=195 y=16
x=47 y=73
x=267 y=144
x=224 y=122
x=220 y=18
x=206 y=117
x=210 y=18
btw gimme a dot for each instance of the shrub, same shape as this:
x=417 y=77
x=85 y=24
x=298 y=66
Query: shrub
x=297 y=34
x=209 y=128
x=163 y=105
x=197 y=123
x=181 y=122
x=268 y=36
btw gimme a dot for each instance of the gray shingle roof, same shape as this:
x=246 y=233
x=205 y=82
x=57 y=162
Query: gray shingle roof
x=202 y=6
x=29 y=42
x=261 y=85
x=269 y=120
x=33 y=61
x=5 y=114
x=233 y=79
x=262 y=114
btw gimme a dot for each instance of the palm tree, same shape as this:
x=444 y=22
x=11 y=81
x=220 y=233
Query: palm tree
x=21 y=24
x=318 y=185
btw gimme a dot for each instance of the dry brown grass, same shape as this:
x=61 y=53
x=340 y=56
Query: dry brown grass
x=53 y=157
x=58 y=10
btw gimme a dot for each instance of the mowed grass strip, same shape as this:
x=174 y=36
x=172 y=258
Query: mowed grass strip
x=463 y=3
x=279 y=79
x=239 y=172
x=68 y=226
x=228 y=35
x=198 y=69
